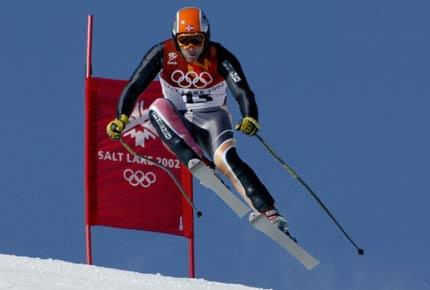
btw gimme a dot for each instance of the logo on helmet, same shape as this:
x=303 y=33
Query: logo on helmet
x=189 y=28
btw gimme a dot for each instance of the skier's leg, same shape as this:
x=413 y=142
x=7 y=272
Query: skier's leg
x=242 y=177
x=215 y=134
x=247 y=183
x=172 y=129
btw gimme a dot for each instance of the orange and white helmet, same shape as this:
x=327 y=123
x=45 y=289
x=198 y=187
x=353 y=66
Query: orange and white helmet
x=190 y=20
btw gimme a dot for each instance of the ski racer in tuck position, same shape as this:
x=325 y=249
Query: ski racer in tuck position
x=192 y=119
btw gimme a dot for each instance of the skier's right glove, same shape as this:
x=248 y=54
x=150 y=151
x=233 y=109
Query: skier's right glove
x=248 y=126
x=115 y=127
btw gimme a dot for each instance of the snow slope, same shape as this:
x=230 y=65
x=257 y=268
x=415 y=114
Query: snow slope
x=22 y=273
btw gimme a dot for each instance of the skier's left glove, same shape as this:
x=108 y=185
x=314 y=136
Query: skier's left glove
x=115 y=127
x=248 y=126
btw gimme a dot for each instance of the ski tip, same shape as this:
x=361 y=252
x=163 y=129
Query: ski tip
x=312 y=265
x=360 y=252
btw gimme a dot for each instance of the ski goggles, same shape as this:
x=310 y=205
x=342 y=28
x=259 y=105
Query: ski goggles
x=186 y=40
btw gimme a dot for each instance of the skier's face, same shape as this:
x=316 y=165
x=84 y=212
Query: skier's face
x=192 y=54
x=191 y=46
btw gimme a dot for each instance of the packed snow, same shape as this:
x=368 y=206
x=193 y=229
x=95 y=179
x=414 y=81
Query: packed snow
x=22 y=273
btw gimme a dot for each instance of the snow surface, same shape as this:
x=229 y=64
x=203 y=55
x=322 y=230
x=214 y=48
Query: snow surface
x=22 y=273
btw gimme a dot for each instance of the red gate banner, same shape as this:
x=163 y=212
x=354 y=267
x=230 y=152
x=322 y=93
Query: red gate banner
x=125 y=191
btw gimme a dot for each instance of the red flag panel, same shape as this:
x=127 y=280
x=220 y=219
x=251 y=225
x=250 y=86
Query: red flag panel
x=123 y=190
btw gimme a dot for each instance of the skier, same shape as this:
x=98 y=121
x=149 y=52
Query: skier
x=192 y=119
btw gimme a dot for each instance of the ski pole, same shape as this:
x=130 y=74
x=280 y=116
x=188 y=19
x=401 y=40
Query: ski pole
x=307 y=187
x=178 y=185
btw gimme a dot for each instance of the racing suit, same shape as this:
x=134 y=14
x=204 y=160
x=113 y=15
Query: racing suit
x=192 y=119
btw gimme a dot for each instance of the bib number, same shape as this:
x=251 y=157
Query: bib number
x=191 y=98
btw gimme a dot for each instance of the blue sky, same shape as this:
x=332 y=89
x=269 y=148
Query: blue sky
x=343 y=91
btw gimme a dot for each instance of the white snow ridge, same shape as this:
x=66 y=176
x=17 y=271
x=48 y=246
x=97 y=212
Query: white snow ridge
x=22 y=273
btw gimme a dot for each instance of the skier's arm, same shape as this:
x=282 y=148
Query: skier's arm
x=147 y=70
x=230 y=68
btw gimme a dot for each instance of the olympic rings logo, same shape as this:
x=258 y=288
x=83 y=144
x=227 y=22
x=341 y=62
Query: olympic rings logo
x=191 y=78
x=136 y=178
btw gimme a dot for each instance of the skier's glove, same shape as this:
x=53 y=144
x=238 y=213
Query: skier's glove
x=248 y=126
x=115 y=127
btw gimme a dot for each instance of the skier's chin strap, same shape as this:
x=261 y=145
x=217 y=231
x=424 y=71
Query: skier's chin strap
x=242 y=177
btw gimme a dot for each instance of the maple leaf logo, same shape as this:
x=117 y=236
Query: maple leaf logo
x=139 y=127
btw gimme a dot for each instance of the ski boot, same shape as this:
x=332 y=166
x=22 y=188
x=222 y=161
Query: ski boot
x=279 y=221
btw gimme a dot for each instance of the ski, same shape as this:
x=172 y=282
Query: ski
x=261 y=223
x=208 y=178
